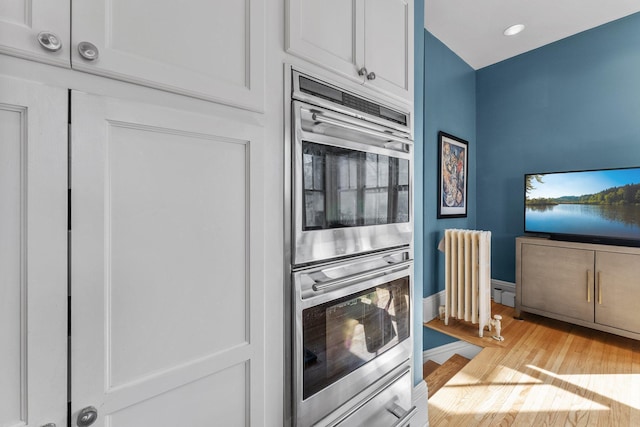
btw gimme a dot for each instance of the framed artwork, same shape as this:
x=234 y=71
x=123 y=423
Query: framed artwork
x=453 y=154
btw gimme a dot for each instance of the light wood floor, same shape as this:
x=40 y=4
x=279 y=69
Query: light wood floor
x=545 y=373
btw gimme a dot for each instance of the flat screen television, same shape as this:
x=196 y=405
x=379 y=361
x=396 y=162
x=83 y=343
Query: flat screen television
x=593 y=206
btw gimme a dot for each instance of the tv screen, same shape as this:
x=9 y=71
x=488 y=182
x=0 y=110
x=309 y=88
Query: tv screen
x=596 y=206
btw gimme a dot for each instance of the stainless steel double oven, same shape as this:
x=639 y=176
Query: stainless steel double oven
x=351 y=259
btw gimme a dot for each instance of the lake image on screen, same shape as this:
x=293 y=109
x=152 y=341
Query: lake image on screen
x=602 y=203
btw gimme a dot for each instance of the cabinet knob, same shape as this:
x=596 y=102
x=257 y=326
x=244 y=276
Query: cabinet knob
x=87 y=416
x=362 y=71
x=371 y=76
x=49 y=41
x=88 y=51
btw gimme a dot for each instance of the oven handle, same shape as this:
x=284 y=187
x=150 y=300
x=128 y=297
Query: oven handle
x=370 y=274
x=319 y=117
x=403 y=419
x=402 y=422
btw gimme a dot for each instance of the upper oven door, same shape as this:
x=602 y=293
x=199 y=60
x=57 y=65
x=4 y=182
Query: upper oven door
x=352 y=185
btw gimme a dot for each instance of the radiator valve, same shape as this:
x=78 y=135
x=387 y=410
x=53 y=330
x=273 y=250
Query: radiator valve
x=497 y=324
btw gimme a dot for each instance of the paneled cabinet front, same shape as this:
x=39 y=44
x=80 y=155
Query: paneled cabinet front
x=370 y=42
x=208 y=50
x=167 y=274
x=163 y=261
x=36 y=29
x=33 y=254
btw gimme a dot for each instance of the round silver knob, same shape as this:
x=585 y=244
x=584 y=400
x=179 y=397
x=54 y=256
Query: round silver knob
x=362 y=71
x=88 y=51
x=87 y=416
x=49 y=41
x=371 y=76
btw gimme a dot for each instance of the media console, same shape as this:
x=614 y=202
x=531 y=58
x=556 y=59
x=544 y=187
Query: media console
x=592 y=285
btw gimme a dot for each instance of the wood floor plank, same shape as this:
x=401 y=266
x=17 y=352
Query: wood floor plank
x=545 y=372
x=634 y=391
x=445 y=372
x=428 y=367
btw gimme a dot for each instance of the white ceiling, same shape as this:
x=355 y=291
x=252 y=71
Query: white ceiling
x=473 y=28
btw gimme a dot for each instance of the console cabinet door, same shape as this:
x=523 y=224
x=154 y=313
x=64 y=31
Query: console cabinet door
x=33 y=254
x=22 y=20
x=617 y=279
x=167 y=254
x=212 y=50
x=558 y=280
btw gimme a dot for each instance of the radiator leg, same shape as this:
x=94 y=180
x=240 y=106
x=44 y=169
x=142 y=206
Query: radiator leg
x=496 y=322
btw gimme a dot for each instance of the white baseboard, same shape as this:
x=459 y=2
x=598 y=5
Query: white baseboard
x=430 y=306
x=503 y=286
x=444 y=352
x=419 y=398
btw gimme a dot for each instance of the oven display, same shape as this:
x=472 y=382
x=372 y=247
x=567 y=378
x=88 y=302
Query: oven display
x=344 y=334
x=350 y=188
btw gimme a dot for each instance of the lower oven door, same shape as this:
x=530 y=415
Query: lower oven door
x=353 y=330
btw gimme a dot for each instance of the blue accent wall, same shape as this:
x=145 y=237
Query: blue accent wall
x=449 y=102
x=449 y=106
x=570 y=105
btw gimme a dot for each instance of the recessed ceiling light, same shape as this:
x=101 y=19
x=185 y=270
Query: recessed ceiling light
x=513 y=30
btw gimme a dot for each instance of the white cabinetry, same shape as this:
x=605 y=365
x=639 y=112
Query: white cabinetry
x=370 y=41
x=388 y=45
x=166 y=265
x=33 y=254
x=166 y=262
x=21 y=21
x=152 y=308
x=204 y=49
x=590 y=285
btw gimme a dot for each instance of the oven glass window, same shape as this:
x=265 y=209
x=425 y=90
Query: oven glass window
x=344 y=334
x=349 y=188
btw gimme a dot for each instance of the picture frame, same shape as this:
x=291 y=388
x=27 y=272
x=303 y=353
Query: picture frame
x=453 y=173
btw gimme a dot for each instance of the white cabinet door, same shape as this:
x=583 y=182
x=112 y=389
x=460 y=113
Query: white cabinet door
x=350 y=37
x=388 y=45
x=212 y=50
x=33 y=254
x=22 y=20
x=167 y=274
x=328 y=32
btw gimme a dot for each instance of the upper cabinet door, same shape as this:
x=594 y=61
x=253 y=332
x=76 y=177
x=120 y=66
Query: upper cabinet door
x=328 y=32
x=388 y=45
x=24 y=22
x=370 y=41
x=213 y=50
